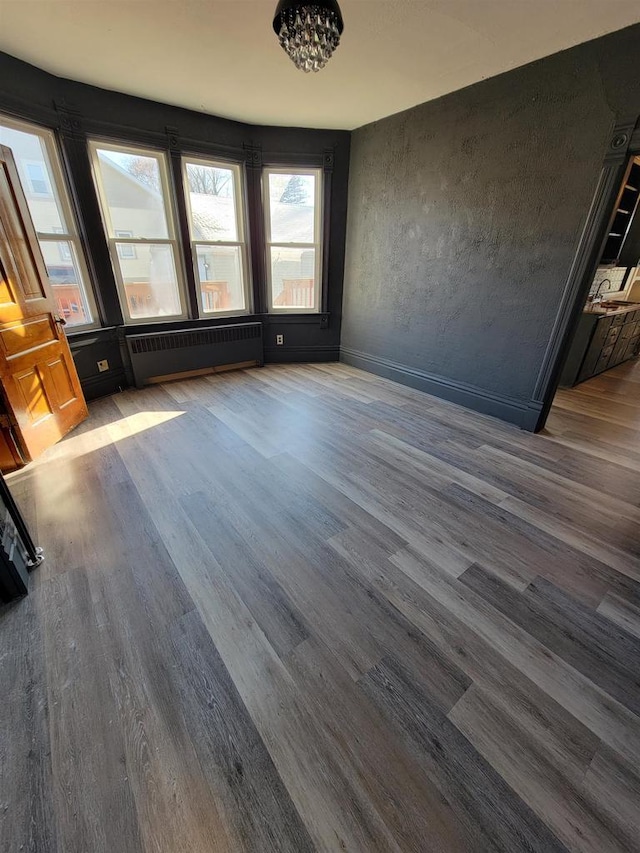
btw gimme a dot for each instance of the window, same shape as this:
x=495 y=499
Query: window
x=125 y=250
x=216 y=224
x=294 y=249
x=134 y=196
x=38 y=165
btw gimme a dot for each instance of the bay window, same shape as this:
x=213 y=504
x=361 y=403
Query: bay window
x=215 y=210
x=133 y=189
x=293 y=228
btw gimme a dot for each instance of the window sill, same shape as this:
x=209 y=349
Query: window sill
x=86 y=335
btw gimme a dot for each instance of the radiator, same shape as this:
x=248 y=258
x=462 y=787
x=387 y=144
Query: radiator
x=164 y=355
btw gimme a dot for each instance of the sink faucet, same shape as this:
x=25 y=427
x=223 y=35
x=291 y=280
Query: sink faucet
x=597 y=296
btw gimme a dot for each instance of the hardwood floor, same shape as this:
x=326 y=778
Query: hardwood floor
x=304 y=608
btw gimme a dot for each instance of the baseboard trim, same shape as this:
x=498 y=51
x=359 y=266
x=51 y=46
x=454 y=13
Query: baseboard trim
x=291 y=355
x=102 y=385
x=518 y=412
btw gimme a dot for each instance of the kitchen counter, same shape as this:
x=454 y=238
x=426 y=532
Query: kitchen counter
x=611 y=311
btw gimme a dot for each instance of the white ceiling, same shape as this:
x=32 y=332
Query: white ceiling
x=222 y=56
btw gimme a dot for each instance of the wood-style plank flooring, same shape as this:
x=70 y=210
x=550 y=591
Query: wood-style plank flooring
x=304 y=608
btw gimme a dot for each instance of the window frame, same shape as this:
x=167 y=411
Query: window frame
x=120 y=235
x=61 y=194
x=173 y=229
x=66 y=256
x=317 y=245
x=242 y=231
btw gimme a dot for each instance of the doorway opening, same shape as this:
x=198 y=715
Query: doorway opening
x=591 y=367
x=600 y=379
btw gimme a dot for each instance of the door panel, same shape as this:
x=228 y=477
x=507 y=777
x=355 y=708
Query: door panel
x=62 y=382
x=40 y=387
x=33 y=284
x=20 y=336
x=33 y=400
x=10 y=305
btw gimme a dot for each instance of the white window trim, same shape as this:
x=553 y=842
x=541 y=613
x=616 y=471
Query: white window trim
x=316 y=245
x=123 y=237
x=241 y=230
x=112 y=240
x=60 y=192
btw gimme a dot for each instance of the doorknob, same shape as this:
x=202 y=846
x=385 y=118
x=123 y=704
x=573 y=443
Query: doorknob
x=60 y=320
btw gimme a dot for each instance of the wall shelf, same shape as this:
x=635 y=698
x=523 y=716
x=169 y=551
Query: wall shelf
x=622 y=221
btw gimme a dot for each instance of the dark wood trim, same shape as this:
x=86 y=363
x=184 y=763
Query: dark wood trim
x=327 y=179
x=255 y=226
x=77 y=165
x=299 y=159
x=184 y=237
x=23 y=110
x=583 y=268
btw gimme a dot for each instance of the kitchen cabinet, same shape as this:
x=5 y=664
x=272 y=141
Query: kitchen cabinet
x=603 y=340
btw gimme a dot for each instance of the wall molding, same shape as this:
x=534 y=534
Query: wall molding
x=517 y=412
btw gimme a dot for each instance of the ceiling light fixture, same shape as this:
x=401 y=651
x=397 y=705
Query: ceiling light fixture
x=308 y=32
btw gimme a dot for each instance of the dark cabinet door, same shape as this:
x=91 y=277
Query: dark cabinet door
x=605 y=360
x=632 y=348
x=618 y=354
x=603 y=337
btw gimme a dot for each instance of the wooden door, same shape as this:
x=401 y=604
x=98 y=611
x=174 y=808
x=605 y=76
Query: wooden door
x=41 y=391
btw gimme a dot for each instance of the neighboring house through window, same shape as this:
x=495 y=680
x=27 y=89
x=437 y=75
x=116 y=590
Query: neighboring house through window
x=37 y=183
x=215 y=209
x=126 y=251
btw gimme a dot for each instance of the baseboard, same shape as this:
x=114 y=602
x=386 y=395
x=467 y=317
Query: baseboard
x=103 y=384
x=514 y=411
x=291 y=355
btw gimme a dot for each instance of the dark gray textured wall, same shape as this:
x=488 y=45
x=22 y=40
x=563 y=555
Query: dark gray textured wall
x=464 y=215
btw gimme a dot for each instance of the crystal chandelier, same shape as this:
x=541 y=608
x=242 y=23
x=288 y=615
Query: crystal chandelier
x=308 y=33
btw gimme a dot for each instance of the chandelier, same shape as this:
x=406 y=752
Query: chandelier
x=308 y=32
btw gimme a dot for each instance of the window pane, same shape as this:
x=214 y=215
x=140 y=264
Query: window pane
x=212 y=198
x=291 y=205
x=150 y=280
x=134 y=194
x=66 y=282
x=220 y=276
x=36 y=178
x=292 y=277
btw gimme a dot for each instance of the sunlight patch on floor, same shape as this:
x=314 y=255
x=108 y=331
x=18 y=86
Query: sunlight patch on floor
x=86 y=442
